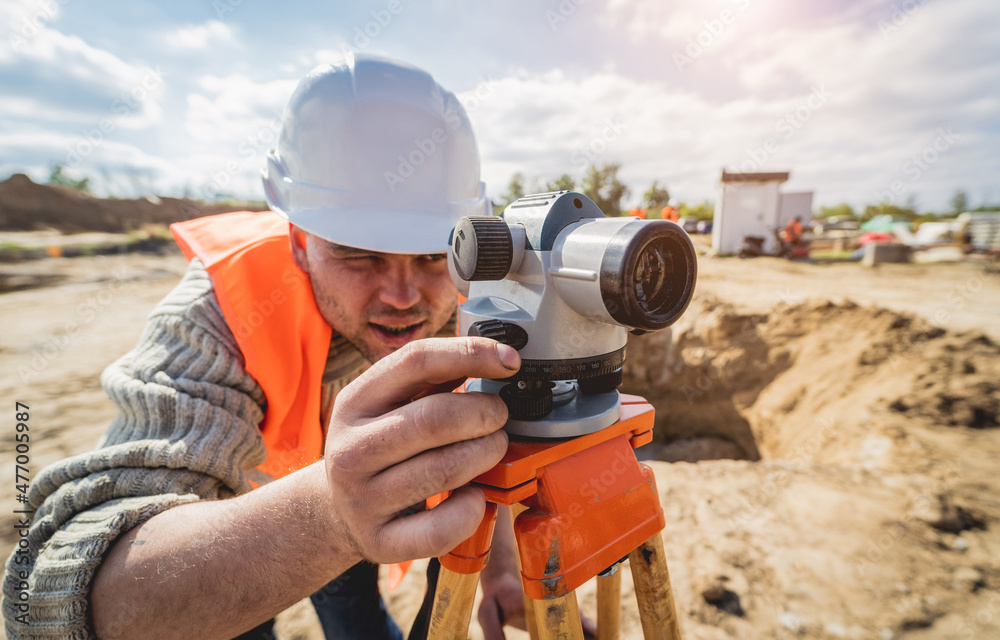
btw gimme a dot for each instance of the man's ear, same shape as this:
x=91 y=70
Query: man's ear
x=297 y=239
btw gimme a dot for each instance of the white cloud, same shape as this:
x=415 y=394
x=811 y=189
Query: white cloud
x=231 y=123
x=114 y=167
x=547 y=124
x=889 y=90
x=840 y=102
x=24 y=19
x=681 y=21
x=63 y=79
x=228 y=109
x=202 y=35
x=553 y=123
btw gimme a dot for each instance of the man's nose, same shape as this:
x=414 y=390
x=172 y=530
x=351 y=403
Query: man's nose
x=399 y=287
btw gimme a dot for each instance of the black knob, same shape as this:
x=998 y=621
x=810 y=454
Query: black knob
x=527 y=400
x=483 y=248
x=505 y=332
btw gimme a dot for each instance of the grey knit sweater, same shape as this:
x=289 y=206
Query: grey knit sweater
x=187 y=430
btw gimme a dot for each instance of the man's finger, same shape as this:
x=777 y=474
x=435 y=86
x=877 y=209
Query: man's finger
x=489 y=620
x=421 y=365
x=430 y=533
x=436 y=421
x=438 y=470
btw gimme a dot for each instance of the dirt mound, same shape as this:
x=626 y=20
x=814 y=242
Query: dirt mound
x=809 y=381
x=26 y=206
x=876 y=435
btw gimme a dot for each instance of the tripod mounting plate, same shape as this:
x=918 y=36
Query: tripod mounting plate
x=513 y=479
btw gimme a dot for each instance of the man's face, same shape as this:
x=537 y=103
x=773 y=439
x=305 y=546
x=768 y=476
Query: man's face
x=378 y=301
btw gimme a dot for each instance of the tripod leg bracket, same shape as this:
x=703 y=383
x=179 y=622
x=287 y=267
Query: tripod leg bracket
x=472 y=554
x=591 y=509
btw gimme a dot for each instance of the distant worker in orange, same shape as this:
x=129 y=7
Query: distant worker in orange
x=638 y=212
x=669 y=213
x=793 y=231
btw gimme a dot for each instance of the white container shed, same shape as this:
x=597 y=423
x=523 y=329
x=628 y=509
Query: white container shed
x=750 y=204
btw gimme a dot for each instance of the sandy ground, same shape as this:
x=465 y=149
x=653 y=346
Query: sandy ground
x=956 y=296
x=863 y=498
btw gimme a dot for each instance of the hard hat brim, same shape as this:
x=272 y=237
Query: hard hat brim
x=385 y=231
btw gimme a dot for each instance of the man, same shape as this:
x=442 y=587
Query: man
x=793 y=231
x=156 y=534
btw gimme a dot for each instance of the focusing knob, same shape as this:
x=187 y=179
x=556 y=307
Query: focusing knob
x=483 y=248
x=601 y=384
x=505 y=332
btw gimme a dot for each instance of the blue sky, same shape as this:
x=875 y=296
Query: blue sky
x=860 y=100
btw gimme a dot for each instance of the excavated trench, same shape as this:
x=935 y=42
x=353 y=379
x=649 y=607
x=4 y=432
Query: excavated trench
x=817 y=381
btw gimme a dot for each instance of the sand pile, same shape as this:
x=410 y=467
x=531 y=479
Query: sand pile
x=818 y=381
x=26 y=206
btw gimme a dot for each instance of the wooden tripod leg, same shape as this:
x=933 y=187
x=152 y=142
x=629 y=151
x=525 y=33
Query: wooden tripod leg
x=453 y=603
x=529 y=617
x=609 y=606
x=559 y=618
x=653 y=591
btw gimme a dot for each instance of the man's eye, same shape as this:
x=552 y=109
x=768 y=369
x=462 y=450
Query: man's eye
x=433 y=257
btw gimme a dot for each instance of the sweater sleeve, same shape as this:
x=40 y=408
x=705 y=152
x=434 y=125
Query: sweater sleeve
x=187 y=430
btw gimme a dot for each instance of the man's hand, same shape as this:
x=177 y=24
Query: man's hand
x=503 y=604
x=397 y=437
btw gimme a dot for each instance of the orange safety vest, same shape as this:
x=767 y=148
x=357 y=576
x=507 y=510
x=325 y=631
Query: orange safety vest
x=268 y=303
x=793 y=229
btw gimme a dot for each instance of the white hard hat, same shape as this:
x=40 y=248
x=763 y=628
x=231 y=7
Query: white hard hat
x=374 y=154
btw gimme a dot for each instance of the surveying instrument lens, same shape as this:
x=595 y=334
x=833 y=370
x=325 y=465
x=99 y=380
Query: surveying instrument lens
x=652 y=274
